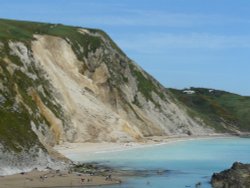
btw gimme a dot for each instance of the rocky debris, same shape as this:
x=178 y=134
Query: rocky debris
x=238 y=176
x=25 y=161
x=99 y=169
x=2 y=99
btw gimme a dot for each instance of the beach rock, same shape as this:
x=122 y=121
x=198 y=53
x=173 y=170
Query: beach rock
x=238 y=176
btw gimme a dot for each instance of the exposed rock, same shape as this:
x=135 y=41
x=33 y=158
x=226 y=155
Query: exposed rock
x=1 y=45
x=12 y=162
x=107 y=114
x=238 y=176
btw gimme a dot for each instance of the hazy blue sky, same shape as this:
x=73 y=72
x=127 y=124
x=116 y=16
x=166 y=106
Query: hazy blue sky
x=202 y=43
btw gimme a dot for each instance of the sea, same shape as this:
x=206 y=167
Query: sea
x=178 y=164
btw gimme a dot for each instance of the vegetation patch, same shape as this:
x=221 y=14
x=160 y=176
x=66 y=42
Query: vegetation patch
x=217 y=108
x=146 y=86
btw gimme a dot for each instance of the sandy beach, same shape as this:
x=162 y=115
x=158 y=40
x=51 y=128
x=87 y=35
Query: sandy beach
x=51 y=178
x=90 y=148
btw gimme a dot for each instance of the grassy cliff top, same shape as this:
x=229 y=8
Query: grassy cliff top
x=25 y=30
x=217 y=107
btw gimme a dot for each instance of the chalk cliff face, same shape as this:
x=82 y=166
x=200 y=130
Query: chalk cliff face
x=68 y=84
x=105 y=96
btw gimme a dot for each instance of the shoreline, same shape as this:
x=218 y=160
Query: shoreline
x=53 y=178
x=69 y=149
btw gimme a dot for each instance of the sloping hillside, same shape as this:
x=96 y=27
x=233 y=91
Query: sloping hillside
x=68 y=84
x=226 y=112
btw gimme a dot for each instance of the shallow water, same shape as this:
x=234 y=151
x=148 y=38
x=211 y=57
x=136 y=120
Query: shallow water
x=189 y=161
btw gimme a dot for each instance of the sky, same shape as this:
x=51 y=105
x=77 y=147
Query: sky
x=182 y=43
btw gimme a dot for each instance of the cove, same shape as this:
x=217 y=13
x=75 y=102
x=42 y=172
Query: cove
x=186 y=162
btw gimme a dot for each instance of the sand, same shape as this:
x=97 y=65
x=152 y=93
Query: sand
x=68 y=149
x=52 y=178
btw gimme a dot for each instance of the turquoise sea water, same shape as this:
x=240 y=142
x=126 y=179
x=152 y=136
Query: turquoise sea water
x=188 y=162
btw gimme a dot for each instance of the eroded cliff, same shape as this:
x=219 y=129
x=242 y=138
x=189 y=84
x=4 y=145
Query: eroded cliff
x=69 y=84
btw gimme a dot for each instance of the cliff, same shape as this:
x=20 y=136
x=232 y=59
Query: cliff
x=69 y=84
x=238 y=176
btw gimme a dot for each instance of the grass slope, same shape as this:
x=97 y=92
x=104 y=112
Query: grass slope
x=24 y=31
x=220 y=109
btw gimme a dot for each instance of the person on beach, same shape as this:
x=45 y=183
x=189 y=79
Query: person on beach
x=82 y=180
x=41 y=178
x=108 y=178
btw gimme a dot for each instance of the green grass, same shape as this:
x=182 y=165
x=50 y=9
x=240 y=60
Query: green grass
x=24 y=31
x=217 y=107
x=15 y=128
x=112 y=43
x=146 y=86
